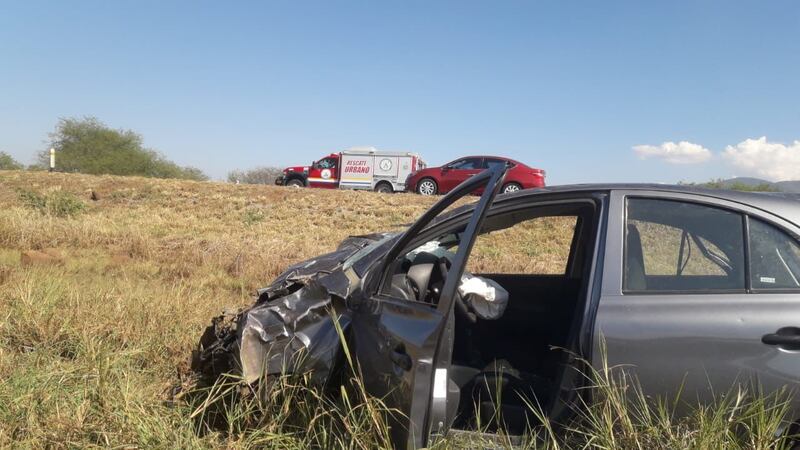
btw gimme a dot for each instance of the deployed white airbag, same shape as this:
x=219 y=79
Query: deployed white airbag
x=485 y=297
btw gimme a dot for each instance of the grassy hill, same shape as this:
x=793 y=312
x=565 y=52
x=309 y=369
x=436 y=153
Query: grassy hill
x=106 y=284
x=97 y=320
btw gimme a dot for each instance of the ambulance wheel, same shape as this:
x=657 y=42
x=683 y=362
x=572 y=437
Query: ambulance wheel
x=295 y=183
x=384 y=187
x=511 y=187
x=427 y=187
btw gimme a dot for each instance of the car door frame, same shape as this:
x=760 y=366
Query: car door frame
x=615 y=306
x=381 y=341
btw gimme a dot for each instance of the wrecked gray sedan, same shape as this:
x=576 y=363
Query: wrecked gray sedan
x=692 y=289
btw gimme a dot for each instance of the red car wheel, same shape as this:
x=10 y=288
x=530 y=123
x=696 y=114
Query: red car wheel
x=427 y=186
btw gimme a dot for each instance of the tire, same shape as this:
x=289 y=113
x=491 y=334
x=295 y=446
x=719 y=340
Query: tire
x=511 y=187
x=295 y=183
x=427 y=186
x=384 y=187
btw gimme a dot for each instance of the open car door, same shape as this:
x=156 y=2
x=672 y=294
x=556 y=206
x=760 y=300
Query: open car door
x=404 y=345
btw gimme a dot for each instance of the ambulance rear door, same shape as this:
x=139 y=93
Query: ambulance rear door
x=405 y=165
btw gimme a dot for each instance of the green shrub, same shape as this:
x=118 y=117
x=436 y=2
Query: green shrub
x=32 y=200
x=63 y=204
x=7 y=162
x=253 y=216
x=89 y=146
x=55 y=203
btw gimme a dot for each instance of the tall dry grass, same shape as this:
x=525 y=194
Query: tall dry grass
x=92 y=341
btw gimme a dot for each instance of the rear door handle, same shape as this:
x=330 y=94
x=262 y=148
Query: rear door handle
x=787 y=338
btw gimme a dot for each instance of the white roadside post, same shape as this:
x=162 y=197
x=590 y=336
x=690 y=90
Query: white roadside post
x=52 y=159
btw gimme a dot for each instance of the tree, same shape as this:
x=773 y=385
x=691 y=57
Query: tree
x=258 y=175
x=89 y=146
x=7 y=162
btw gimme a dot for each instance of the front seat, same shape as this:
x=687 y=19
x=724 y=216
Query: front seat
x=634 y=261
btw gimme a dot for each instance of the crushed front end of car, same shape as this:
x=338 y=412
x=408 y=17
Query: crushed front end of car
x=291 y=327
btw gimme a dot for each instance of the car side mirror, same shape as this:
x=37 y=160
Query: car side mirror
x=445 y=169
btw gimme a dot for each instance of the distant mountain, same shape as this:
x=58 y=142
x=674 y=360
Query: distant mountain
x=792 y=186
x=747 y=181
x=788 y=186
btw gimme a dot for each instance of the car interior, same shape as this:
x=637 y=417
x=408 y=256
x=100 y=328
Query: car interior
x=502 y=366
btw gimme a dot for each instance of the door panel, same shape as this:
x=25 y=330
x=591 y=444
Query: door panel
x=324 y=174
x=706 y=343
x=700 y=343
x=459 y=172
x=455 y=177
x=395 y=344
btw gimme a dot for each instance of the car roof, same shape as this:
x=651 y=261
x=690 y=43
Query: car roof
x=490 y=156
x=785 y=205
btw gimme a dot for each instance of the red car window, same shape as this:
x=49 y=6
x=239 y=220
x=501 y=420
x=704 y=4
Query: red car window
x=490 y=163
x=467 y=164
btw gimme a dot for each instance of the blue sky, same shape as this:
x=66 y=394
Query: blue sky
x=571 y=87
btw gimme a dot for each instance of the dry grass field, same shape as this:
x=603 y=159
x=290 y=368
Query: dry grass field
x=106 y=283
x=102 y=300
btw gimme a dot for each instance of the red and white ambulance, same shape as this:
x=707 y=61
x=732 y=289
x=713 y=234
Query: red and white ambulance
x=356 y=168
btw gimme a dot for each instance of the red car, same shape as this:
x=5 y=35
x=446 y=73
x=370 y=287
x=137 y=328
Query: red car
x=440 y=180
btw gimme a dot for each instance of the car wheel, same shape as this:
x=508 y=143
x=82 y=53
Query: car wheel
x=427 y=187
x=511 y=187
x=384 y=187
x=296 y=183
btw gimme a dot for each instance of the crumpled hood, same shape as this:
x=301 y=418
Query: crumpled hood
x=291 y=326
x=292 y=333
x=318 y=268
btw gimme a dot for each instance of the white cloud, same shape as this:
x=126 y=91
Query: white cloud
x=771 y=160
x=681 y=153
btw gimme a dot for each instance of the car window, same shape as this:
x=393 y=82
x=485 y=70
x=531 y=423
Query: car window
x=327 y=163
x=680 y=246
x=467 y=164
x=489 y=163
x=539 y=246
x=774 y=257
x=531 y=241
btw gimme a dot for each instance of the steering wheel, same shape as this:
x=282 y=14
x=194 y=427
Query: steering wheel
x=460 y=306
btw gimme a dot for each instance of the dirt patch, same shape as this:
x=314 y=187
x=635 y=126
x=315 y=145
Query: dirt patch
x=34 y=257
x=120 y=258
x=54 y=252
